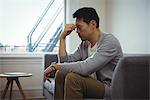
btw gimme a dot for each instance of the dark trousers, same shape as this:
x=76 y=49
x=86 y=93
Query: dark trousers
x=72 y=86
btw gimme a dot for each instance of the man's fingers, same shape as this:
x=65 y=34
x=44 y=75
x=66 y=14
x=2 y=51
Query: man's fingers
x=47 y=78
x=48 y=74
x=70 y=27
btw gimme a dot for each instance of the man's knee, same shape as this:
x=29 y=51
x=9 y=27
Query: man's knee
x=60 y=74
x=72 y=78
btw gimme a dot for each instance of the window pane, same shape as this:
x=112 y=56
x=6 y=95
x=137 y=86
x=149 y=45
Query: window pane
x=18 y=17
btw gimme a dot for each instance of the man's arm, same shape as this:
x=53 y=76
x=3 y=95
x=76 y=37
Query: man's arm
x=62 y=46
x=62 y=49
x=108 y=50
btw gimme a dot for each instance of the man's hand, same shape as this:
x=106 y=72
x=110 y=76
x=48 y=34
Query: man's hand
x=50 y=69
x=56 y=66
x=62 y=45
x=47 y=73
x=68 y=29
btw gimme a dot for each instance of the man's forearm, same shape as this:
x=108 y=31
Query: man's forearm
x=62 y=47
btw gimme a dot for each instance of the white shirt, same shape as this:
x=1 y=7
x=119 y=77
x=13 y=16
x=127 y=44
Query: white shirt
x=91 y=51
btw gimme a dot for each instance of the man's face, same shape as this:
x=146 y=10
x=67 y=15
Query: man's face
x=84 y=30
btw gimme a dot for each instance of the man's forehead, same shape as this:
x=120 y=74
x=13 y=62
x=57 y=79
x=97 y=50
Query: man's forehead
x=79 y=21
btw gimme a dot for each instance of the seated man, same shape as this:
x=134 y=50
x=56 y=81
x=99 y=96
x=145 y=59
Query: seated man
x=88 y=72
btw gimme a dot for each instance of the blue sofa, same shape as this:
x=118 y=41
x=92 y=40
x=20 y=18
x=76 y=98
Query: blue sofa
x=130 y=79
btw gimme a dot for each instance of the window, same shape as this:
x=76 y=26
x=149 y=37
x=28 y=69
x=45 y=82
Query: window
x=30 y=25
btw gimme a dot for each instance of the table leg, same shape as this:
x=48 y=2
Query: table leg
x=20 y=88
x=6 y=88
x=11 y=81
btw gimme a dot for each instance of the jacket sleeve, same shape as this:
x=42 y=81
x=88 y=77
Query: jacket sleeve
x=104 y=54
x=76 y=56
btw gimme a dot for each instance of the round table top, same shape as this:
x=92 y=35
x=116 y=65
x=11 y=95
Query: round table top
x=14 y=74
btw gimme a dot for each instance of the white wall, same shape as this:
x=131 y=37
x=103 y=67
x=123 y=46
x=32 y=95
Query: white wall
x=72 y=6
x=128 y=21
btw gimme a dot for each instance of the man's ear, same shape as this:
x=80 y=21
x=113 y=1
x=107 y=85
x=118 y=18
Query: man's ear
x=93 y=23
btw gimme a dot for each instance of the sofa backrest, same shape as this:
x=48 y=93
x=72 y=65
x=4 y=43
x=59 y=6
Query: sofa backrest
x=131 y=78
x=49 y=58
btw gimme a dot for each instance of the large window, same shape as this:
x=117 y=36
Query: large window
x=30 y=25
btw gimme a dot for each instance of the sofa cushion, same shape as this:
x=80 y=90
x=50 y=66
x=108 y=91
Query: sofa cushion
x=50 y=86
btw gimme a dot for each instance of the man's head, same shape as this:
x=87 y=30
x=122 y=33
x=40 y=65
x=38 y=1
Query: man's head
x=87 y=21
x=87 y=14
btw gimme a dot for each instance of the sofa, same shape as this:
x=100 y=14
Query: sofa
x=130 y=79
x=48 y=87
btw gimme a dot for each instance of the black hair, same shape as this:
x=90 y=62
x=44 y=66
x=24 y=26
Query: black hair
x=87 y=14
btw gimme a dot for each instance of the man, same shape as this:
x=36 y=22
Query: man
x=88 y=72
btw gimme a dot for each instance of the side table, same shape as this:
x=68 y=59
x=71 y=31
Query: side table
x=13 y=76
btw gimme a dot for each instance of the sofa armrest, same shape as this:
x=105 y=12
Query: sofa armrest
x=48 y=59
x=131 y=78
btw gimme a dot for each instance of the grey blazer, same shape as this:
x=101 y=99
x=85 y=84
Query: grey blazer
x=103 y=61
